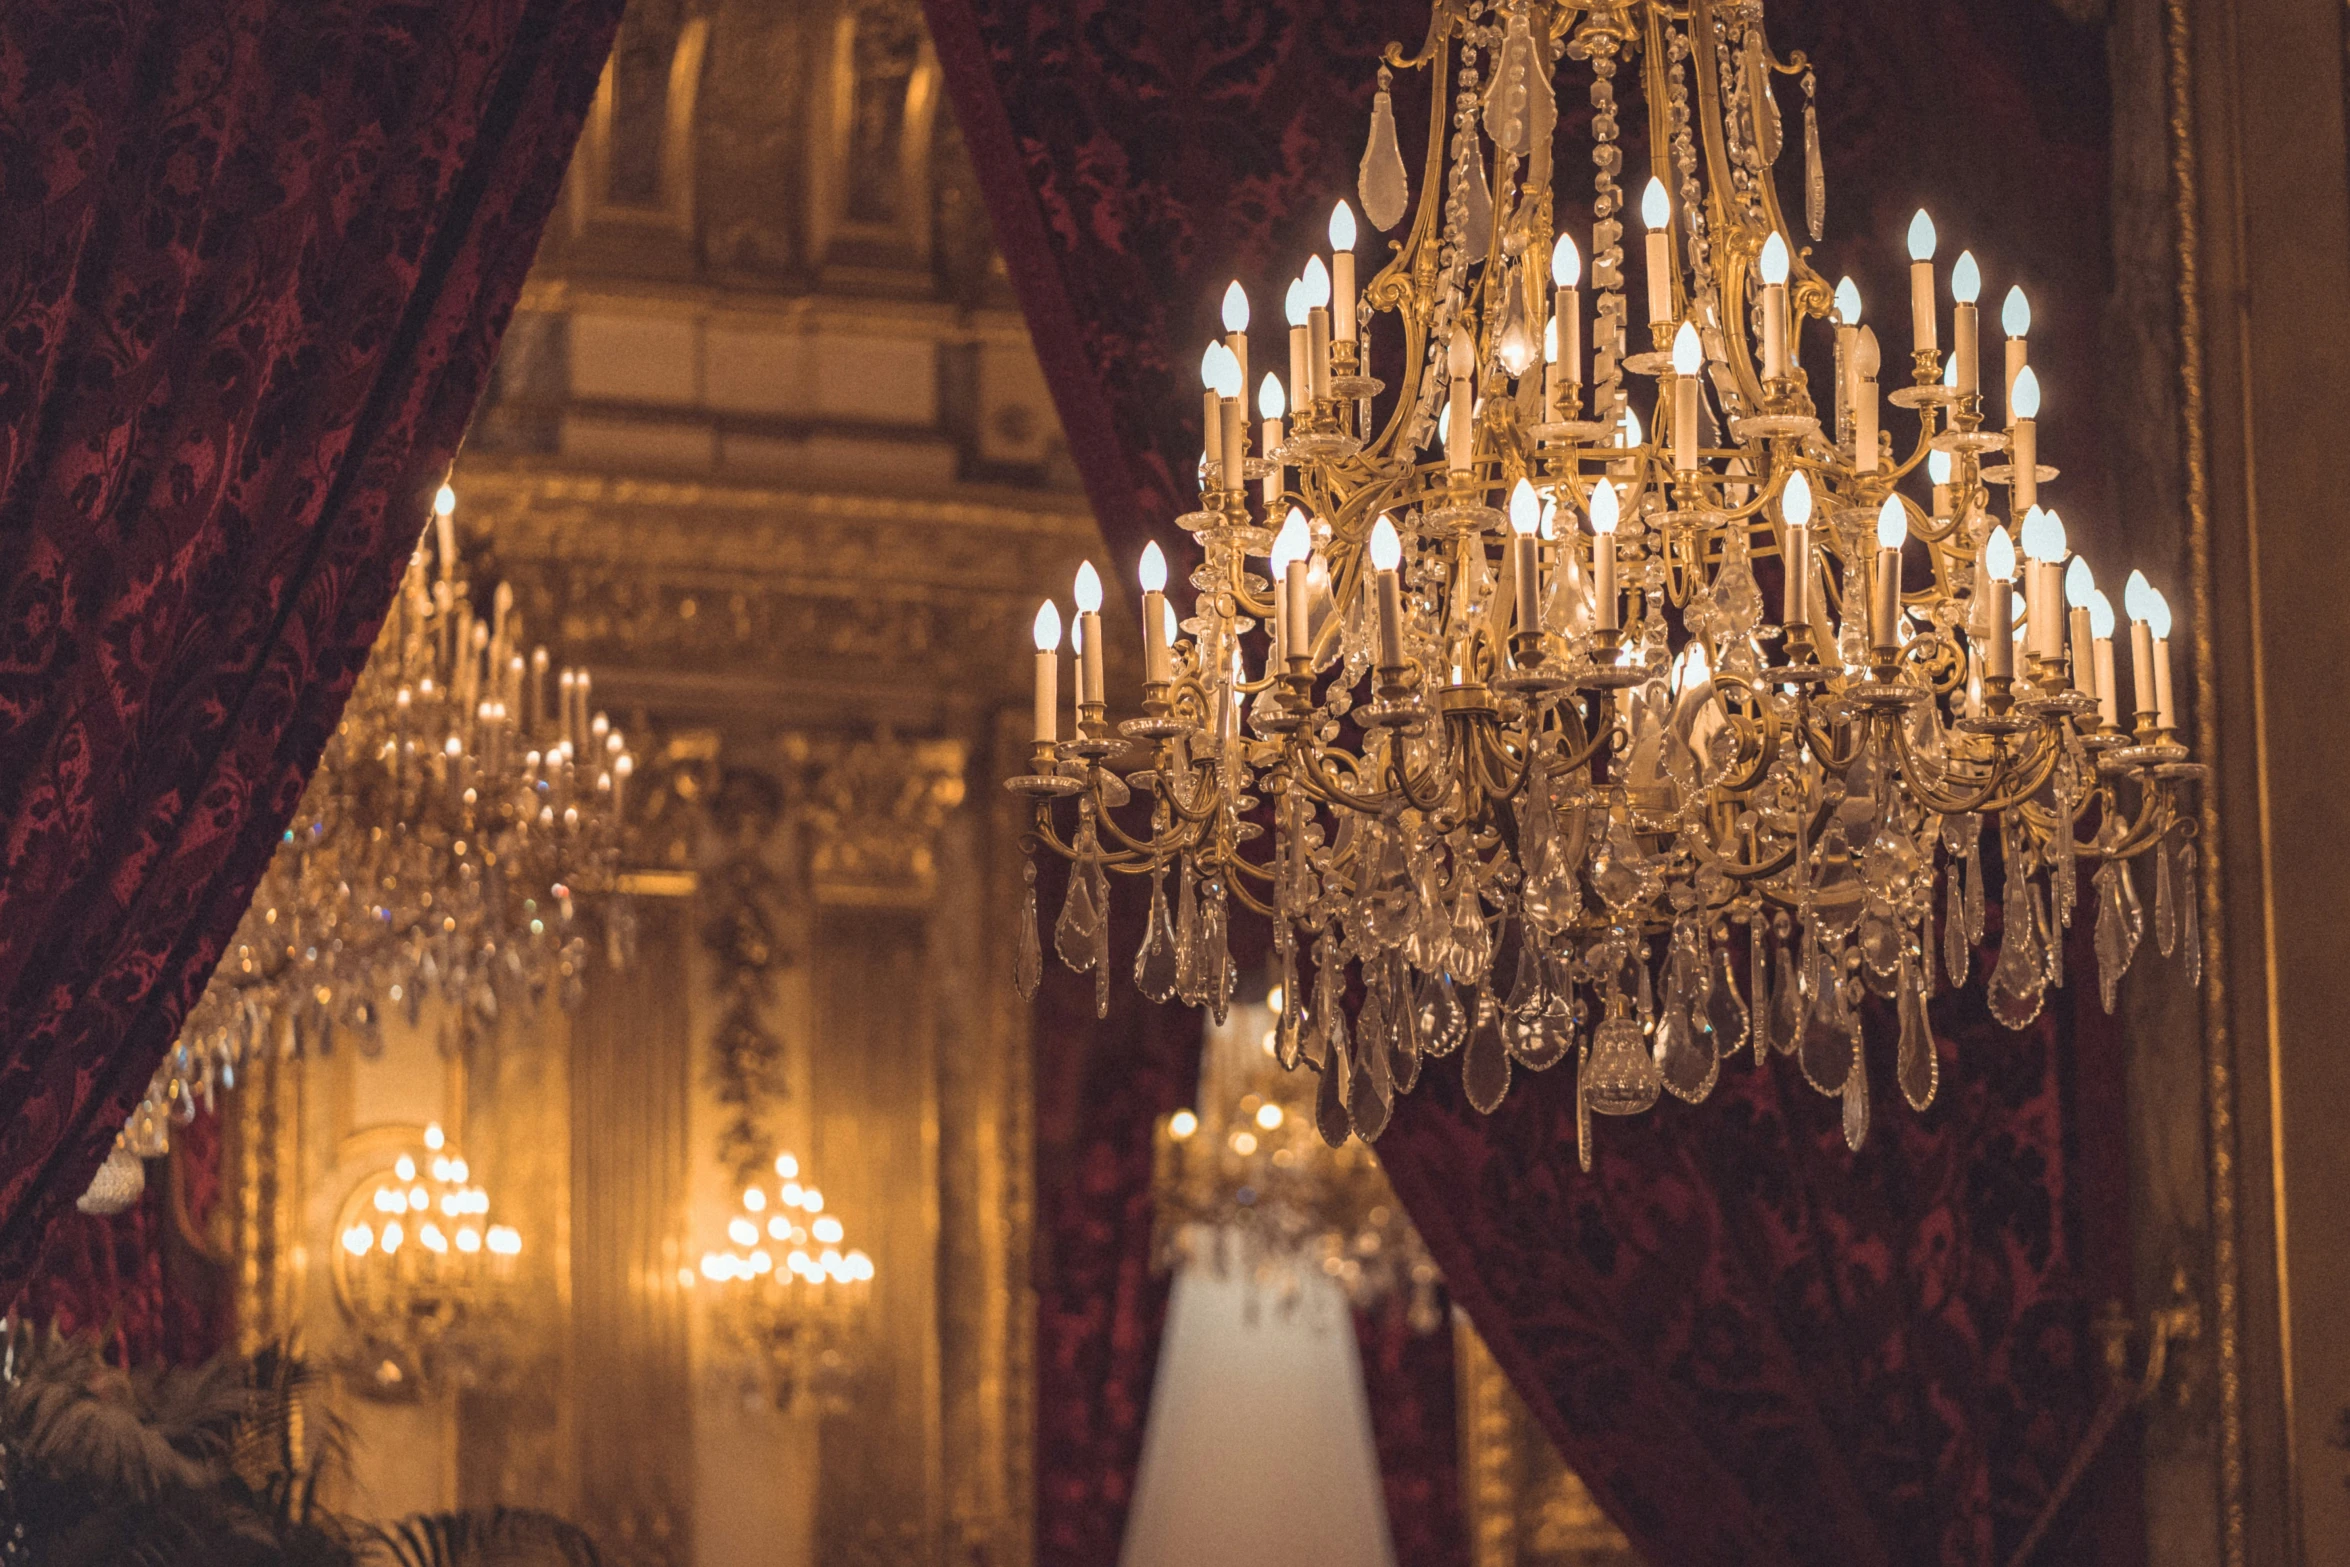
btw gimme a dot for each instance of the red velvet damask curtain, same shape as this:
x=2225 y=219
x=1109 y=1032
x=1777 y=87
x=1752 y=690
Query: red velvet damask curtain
x=255 y=259
x=1755 y=1346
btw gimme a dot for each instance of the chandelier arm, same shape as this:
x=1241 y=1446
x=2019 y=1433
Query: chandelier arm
x=1155 y=847
x=1314 y=776
x=1045 y=835
x=1405 y=782
x=1925 y=783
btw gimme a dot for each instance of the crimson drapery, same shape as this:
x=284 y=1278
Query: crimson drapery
x=1797 y=1354
x=1409 y=1382
x=255 y=259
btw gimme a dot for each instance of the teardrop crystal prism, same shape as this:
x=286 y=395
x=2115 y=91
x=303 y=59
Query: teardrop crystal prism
x=1519 y=108
x=1621 y=1078
x=2166 y=908
x=1955 y=952
x=2116 y=944
x=1787 y=1000
x=1330 y=1113
x=1154 y=960
x=1826 y=1052
x=1485 y=1069
x=2019 y=978
x=1442 y=1022
x=1403 y=1037
x=1477 y=197
x=1028 y=963
x=1725 y=1013
x=1190 y=966
x=1916 y=1061
x=1815 y=178
x=1758 y=980
x=1074 y=931
x=1381 y=180
x=1374 y=1059
x=1856 y=1101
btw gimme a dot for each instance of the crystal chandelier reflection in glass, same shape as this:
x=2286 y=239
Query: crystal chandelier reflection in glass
x=1246 y=1181
x=421 y=1271
x=467 y=802
x=1532 y=765
x=792 y=1301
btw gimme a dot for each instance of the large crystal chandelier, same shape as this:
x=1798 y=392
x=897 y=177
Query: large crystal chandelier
x=467 y=801
x=1627 y=692
x=791 y=1306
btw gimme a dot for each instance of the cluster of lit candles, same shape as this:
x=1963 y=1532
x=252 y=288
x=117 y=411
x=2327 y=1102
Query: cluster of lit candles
x=2064 y=628
x=773 y=1237
x=450 y=1223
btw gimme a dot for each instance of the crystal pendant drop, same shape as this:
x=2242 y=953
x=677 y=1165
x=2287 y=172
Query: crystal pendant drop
x=1330 y=1094
x=1476 y=196
x=1485 y=1070
x=1382 y=180
x=2019 y=977
x=1621 y=1078
x=2166 y=910
x=1815 y=178
x=1557 y=1033
x=1370 y=1093
x=1687 y=1053
x=1916 y=1061
x=1101 y=942
x=1522 y=1012
x=1725 y=1013
x=1583 y=1108
x=2116 y=944
x=1081 y=918
x=1758 y=984
x=1955 y=951
x=1191 y=980
x=1442 y=1022
x=1787 y=998
x=1403 y=1034
x=1856 y=1100
x=1826 y=1053
x=1515 y=341
x=2190 y=917
x=1519 y=108
x=1154 y=962
x=1028 y=964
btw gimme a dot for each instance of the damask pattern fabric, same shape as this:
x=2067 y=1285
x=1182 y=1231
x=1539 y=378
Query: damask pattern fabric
x=256 y=256
x=1757 y=1347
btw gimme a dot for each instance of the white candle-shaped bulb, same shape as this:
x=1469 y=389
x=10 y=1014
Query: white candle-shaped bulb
x=444 y=514
x=2158 y=622
x=1293 y=303
x=1892 y=534
x=1966 y=287
x=1271 y=403
x=1089 y=589
x=2024 y=402
x=1921 y=282
x=1795 y=503
x=2080 y=583
x=1566 y=263
x=1317 y=294
x=1342 y=271
x=1294 y=310
x=2023 y=444
x=2101 y=626
x=1939 y=468
x=1998 y=636
x=1847 y=302
x=1222 y=368
x=1866 y=361
x=1656 y=211
x=1316 y=279
x=1048 y=672
x=1386 y=556
x=1566 y=319
x=1773 y=265
x=2015 y=318
x=1235 y=307
x=2044 y=544
x=1089 y=630
x=1157 y=640
x=1460 y=363
x=1525 y=555
x=2080 y=587
x=1293 y=553
x=2044 y=536
x=1605 y=515
x=2138 y=597
x=2101 y=619
x=1688 y=359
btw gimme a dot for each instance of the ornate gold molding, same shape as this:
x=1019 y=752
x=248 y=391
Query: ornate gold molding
x=1523 y=1505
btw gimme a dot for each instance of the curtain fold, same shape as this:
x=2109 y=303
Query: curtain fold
x=256 y=257
x=1410 y=1382
x=1757 y=1347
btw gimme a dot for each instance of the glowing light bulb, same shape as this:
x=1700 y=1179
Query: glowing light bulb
x=1271 y=404
x=1892 y=524
x=1774 y=259
x=786 y=1166
x=1386 y=547
x=444 y=502
x=1629 y=433
x=1950 y=371
x=2100 y=614
x=2080 y=584
x=1938 y=466
x=1293 y=304
x=1235 y=307
x=1295 y=541
x=1168 y=610
x=1966 y=279
x=2158 y=613
x=1317 y=281
x=1048 y=627
x=1342 y=226
x=1566 y=263
x=1688 y=353
x=2016 y=314
x=1182 y=1124
x=2025 y=400
x=1605 y=509
x=1525 y=510
x=405 y=1168
x=358 y=1240
x=1550 y=511
x=393 y=1237
x=827 y=1230
x=1921 y=237
x=1223 y=371
x=1089 y=589
x=1847 y=302
x=1154 y=568
x=1207 y=365
x=2043 y=535
x=1795 y=500
x=434 y=1137
x=1656 y=208
x=1999 y=556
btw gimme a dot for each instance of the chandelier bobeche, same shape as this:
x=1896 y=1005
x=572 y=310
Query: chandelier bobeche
x=1530 y=750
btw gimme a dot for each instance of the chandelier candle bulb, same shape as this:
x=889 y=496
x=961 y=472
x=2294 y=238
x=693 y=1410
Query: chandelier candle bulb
x=2015 y=318
x=2158 y=622
x=1089 y=628
x=1566 y=274
x=1998 y=639
x=1866 y=361
x=2138 y=599
x=1688 y=359
x=1156 y=643
x=1938 y=473
x=2101 y=634
x=1212 y=416
x=1386 y=557
x=1885 y=606
x=1236 y=326
x=444 y=516
x=1293 y=553
x=1922 y=324
x=1795 y=504
x=1604 y=517
x=1847 y=307
x=1271 y=405
x=1656 y=211
x=1317 y=281
x=1966 y=287
x=1342 y=272
x=1295 y=309
x=1525 y=554
x=2080 y=586
x=2044 y=544
x=1774 y=266
x=2023 y=442
x=1461 y=365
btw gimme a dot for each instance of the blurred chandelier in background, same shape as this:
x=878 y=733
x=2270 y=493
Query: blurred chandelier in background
x=791 y=1303
x=423 y=1274
x=1531 y=751
x=466 y=803
x=1245 y=1180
